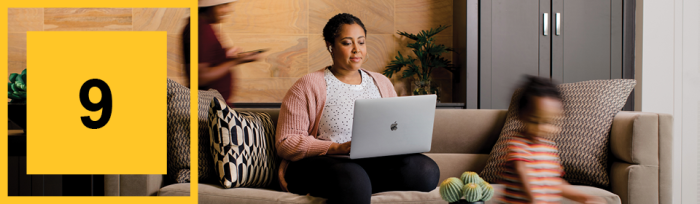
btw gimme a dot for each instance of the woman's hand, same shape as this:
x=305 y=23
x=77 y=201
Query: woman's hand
x=339 y=148
x=235 y=54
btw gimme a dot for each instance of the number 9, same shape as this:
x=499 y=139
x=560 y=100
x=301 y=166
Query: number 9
x=105 y=103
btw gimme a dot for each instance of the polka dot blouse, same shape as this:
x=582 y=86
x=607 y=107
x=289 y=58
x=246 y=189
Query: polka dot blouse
x=336 y=120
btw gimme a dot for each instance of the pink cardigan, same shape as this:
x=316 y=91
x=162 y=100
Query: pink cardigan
x=297 y=124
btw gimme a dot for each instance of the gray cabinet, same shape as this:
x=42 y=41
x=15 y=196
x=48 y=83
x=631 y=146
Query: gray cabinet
x=589 y=44
x=567 y=40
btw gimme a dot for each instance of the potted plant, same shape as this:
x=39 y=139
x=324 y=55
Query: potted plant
x=469 y=186
x=428 y=54
x=17 y=91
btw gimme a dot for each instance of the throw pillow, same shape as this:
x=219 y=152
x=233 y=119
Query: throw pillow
x=589 y=109
x=179 y=132
x=242 y=146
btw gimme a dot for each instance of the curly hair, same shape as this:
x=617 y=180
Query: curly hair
x=536 y=87
x=332 y=28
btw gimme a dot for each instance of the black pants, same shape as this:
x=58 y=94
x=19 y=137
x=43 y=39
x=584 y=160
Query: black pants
x=341 y=180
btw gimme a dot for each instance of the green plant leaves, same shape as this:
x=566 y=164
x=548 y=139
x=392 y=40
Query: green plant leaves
x=427 y=53
x=17 y=87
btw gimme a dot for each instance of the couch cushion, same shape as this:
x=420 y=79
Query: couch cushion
x=466 y=131
x=453 y=165
x=214 y=194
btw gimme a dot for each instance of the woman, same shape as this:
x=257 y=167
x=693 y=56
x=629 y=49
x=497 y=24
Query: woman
x=215 y=62
x=316 y=120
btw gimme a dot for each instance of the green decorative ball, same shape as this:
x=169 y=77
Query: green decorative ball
x=471 y=177
x=472 y=192
x=482 y=184
x=451 y=189
x=487 y=192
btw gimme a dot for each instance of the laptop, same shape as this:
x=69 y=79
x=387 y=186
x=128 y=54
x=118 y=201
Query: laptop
x=392 y=126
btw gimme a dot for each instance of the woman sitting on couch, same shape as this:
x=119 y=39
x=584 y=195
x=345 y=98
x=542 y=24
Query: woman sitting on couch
x=316 y=120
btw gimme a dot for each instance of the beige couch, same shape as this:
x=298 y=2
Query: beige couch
x=462 y=139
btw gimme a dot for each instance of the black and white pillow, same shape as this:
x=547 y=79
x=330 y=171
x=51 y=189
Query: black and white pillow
x=242 y=145
x=179 y=132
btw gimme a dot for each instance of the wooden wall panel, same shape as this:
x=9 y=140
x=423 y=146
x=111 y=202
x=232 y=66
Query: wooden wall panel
x=172 y=20
x=377 y=15
x=176 y=68
x=86 y=19
x=270 y=90
x=21 y=20
x=17 y=52
x=319 y=57
x=382 y=18
x=287 y=57
x=269 y=16
x=415 y=15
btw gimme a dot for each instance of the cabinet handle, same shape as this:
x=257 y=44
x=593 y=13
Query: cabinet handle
x=557 y=24
x=545 y=24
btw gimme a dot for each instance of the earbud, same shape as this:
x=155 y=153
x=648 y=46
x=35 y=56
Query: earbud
x=330 y=49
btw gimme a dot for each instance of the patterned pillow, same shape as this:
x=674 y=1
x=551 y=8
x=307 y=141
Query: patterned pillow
x=243 y=146
x=589 y=109
x=179 y=132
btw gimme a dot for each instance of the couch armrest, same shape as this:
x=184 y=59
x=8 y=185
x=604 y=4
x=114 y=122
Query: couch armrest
x=133 y=185
x=641 y=143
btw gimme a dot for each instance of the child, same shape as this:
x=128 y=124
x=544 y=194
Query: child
x=533 y=172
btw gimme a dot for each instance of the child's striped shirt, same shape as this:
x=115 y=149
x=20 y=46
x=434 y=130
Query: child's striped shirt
x=545 y=171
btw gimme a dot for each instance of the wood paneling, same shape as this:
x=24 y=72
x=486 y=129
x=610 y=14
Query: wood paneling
x=382 y=18
x=17 y=52
x=86 y=19
x=172 y=20
x=176 y=67
x=262 y=89
x=319 y=57
x=269 y=16
x=287 y=57
x=376 y=15
x=415 y=15
x=20 y=20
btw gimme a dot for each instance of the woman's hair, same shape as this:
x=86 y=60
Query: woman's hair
x=330 y=31
x=536 y=87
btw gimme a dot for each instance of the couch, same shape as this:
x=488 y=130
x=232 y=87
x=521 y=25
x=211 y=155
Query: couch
x=640 y=170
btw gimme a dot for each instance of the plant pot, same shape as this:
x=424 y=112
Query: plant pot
x=465 y=202
x=17 y=113
x=425 y=88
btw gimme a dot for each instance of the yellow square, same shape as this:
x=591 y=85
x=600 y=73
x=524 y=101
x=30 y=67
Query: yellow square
x=132 y=66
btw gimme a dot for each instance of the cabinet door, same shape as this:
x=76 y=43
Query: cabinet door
x=589 y=43
x=513 y=44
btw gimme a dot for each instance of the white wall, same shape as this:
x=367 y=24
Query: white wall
x=668 y=74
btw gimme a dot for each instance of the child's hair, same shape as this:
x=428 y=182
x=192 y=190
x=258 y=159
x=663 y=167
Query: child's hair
x=536 y=87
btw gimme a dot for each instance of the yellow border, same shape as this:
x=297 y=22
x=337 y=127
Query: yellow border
x=192 y=4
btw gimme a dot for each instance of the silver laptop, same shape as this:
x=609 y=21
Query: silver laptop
x=392 y=126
